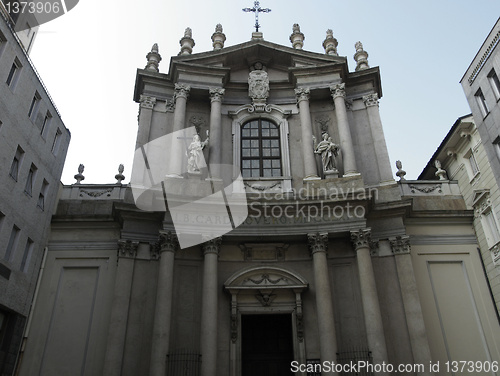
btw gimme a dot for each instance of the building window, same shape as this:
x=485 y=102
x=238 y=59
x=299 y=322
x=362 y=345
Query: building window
x=490 y=228
x=13 y=73
x=31 y=178
x=473 y=164
x=260 y=149
x=3 y=42
x=495 y=83
x=57 y=142
x=11 y=246
x=43 y=193
x=481 y=102
x=28 y=250
x=35 y=103
x=45 y=124
x=16 y=163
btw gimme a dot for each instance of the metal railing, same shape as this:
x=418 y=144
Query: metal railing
x=183 y=363
x=355 y=355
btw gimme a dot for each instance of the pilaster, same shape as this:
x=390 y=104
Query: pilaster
x=168 y=245
x=318 y=244
x=382 y=155
x=145 y=115
x=113 y=361
x=181 y=96
x=208 y=335
x=400 y=246
x=310 y=171
x=215 y=156
x=346 y=145
x=371 y=308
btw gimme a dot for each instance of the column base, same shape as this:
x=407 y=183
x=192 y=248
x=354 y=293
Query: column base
x=351 y=173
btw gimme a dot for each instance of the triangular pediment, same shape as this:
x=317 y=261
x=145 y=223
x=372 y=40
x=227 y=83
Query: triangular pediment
x=479 y=195
x=245 y=54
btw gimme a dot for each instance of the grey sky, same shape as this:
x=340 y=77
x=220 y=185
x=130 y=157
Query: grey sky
x=88 y=60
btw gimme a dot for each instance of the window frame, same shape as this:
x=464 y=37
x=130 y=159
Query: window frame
x=495 y=84
x=13 y=75
x=481 y=102
x=16 y=163
x=278 y=116
x=260 y=140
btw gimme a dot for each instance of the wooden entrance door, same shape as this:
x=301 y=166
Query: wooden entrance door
x=267 y=345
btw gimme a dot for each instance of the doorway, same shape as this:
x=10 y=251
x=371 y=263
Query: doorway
x=267 y=345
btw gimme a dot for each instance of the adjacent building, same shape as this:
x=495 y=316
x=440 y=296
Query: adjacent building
x=262 y=233
x=33 y=146
x=461 y=157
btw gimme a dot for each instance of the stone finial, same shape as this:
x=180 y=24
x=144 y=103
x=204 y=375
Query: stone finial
x=187 y=42
x=297 y=38
x=440 y=173
x=79 y=177
x=218 y=38
x=154 y=59
x=330 y=44
x=361 y=57
x=120 y=177
x=400 y=173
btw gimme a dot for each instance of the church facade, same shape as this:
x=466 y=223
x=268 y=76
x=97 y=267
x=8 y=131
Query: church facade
x=333 y=261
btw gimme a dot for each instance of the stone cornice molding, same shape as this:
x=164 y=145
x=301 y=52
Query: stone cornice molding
x=370 y=100
x=400 y=245
x=168 y=242
x=216 y=94
x=318 y=242
x=127 y=248
x=147 y=101
x=181 y=91
x=361 y=238
x=302 y=94
x=212 y=246
x=338 y=90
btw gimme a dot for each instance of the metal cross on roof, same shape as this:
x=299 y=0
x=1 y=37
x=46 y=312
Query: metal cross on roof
x=257 y=9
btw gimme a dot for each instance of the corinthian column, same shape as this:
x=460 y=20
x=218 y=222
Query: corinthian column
x=180 y=97
x=113 y=361
x=400 y=246
x=318 y=244
x=310 y=171
x=371 y=307
x=346 y=146
x=215 y=156
x=209 y=308
x=163 y=311
x=383 y=162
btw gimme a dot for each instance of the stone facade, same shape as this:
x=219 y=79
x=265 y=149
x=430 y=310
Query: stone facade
x=321 y=269
x=33 y=146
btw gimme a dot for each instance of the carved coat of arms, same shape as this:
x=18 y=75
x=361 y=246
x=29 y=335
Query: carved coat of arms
x=258 y=85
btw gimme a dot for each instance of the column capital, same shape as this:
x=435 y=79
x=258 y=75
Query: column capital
x=181 y=91
x=147 y=101
x=127 y=248
x=168 y=242
x=400 y=244
x=318 y=242
x=302 y=94
x=216 y=93
x=338 y=90
x=370 y=100
x=361 y=238
x=212 y=246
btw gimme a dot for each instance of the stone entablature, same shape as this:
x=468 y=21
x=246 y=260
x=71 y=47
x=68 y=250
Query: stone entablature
x=429 y=188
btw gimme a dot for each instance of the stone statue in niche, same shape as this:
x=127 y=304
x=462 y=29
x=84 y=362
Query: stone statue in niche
x=195 y=154
x=328 y=150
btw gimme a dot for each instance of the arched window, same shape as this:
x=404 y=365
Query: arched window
x=260 y=149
